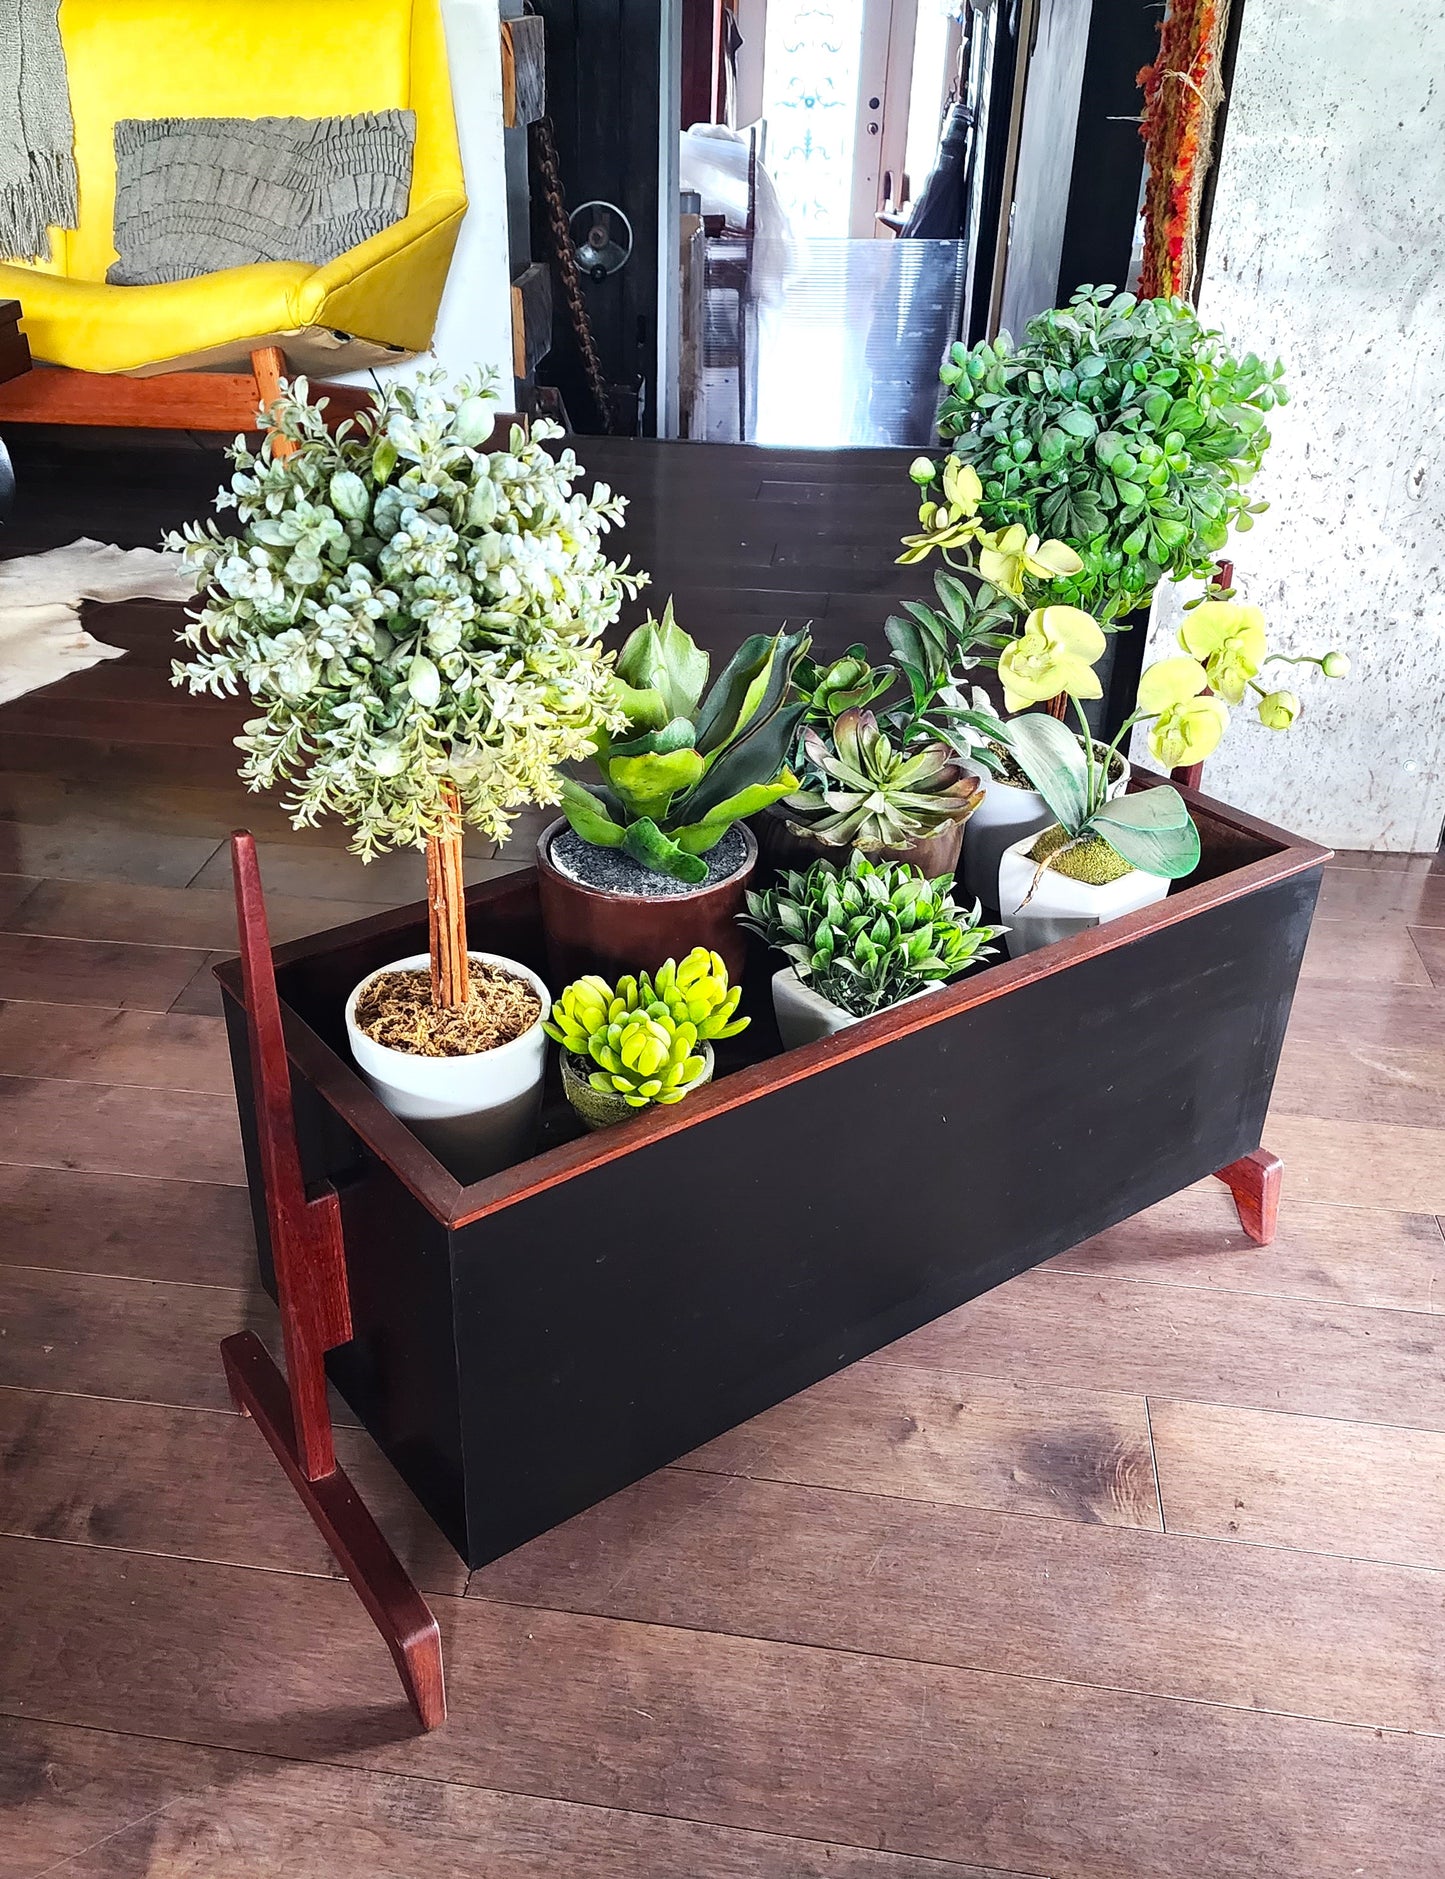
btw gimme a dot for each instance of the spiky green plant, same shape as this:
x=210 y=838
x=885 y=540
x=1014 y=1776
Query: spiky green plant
x=867 y=936
x=862 y=792
x=687 y=767
x=641 y=1037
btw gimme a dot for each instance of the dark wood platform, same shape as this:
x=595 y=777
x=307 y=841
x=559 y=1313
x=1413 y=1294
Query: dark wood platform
x=1130 y=1570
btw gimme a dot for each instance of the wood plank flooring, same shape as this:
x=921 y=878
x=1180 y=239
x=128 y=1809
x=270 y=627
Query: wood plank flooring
x=1133 y=1569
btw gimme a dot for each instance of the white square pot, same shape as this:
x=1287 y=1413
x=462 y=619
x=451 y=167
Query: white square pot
x=804 y=1015
x=1006 y=815
x=1059 y=906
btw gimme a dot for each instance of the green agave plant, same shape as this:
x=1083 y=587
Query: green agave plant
x=868 y=794
x=688 y=766
x=641 y=1037
x=868 y=935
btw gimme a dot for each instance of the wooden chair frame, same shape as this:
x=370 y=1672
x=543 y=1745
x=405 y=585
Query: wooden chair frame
x=291 y=1409
x=187 y=401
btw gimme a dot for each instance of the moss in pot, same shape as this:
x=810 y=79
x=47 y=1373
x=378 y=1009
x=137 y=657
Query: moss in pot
x=652 y=856
x=391 y=600
x=1011 y=809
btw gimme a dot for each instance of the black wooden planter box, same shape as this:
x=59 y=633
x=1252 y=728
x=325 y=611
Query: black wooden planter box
x=529 y=1344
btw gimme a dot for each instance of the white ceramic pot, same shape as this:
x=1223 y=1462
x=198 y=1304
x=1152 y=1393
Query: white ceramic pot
x=1061 y=906
x=476 y=1114
x=1007 y=813
x=804 y=1015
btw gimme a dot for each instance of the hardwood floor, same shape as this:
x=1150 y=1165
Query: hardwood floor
x=1132 y=1569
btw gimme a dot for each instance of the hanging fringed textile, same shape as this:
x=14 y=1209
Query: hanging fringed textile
x=1183 y=90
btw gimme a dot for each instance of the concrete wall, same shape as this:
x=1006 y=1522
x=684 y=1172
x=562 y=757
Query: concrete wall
x=1328 y=249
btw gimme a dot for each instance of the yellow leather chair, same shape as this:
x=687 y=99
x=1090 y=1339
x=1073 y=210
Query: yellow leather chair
x=167 y=354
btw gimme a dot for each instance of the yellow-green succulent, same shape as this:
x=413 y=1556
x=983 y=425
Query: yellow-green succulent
x=641 y=1039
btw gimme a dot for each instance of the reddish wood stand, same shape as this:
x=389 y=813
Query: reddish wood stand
x=1255 y=1181
x=291 y=1410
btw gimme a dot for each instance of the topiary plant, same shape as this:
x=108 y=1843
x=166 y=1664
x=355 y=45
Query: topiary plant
x=869 y=935
x=417 y=618
x=687 y=766
x=1123 y=427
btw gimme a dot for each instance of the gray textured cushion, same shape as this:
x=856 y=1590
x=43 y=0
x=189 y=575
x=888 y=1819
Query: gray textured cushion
x=196 y=194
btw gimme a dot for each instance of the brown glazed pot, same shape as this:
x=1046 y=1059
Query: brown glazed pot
x=591 y=931
x=780 y=848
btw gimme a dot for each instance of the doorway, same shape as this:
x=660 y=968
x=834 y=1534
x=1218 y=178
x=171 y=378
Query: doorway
x=853 y=93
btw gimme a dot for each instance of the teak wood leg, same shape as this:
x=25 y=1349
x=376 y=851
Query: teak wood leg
x=1254 y=1181
x=268 y=363
x=291 y=1409
x=401 y=1615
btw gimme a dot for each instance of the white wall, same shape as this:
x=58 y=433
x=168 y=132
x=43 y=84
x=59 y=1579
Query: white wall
x=474 y=325
x=1328 y=248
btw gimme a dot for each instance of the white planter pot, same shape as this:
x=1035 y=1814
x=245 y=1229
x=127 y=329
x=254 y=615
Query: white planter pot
x=476 y=1114
x=804 y=1015
x=1007 y=813
x=1059 y=906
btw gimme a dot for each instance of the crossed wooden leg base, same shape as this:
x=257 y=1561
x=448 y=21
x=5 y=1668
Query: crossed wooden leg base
x=401 y=1615
x=1254 y=1181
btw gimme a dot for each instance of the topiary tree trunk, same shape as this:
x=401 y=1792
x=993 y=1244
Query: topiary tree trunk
x=447 y=908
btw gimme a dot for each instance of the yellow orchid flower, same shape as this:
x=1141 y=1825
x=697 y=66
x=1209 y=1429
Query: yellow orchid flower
x=1187 y=732
x=1229 y=638
x=1278 y=710
x=940 y=527
x=1170 y=682
x=1006 y=556
x=1054 y=653
x=962 y=488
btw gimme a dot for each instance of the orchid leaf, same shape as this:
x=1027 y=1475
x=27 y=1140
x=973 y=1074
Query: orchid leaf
x=1152 y=830
x=1049 y=755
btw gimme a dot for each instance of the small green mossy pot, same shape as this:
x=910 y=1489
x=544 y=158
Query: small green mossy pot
x=599 y=1109
x=1092 y=860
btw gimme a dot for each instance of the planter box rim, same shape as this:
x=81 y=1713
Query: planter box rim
x=456 y=1205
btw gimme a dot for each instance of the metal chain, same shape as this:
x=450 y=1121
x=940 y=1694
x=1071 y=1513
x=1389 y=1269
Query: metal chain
x=565 y=257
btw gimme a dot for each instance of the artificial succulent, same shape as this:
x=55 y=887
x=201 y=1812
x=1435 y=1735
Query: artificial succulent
x=688 y=766
x=869 y=935
x=641 y=1037
x=862 y=792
